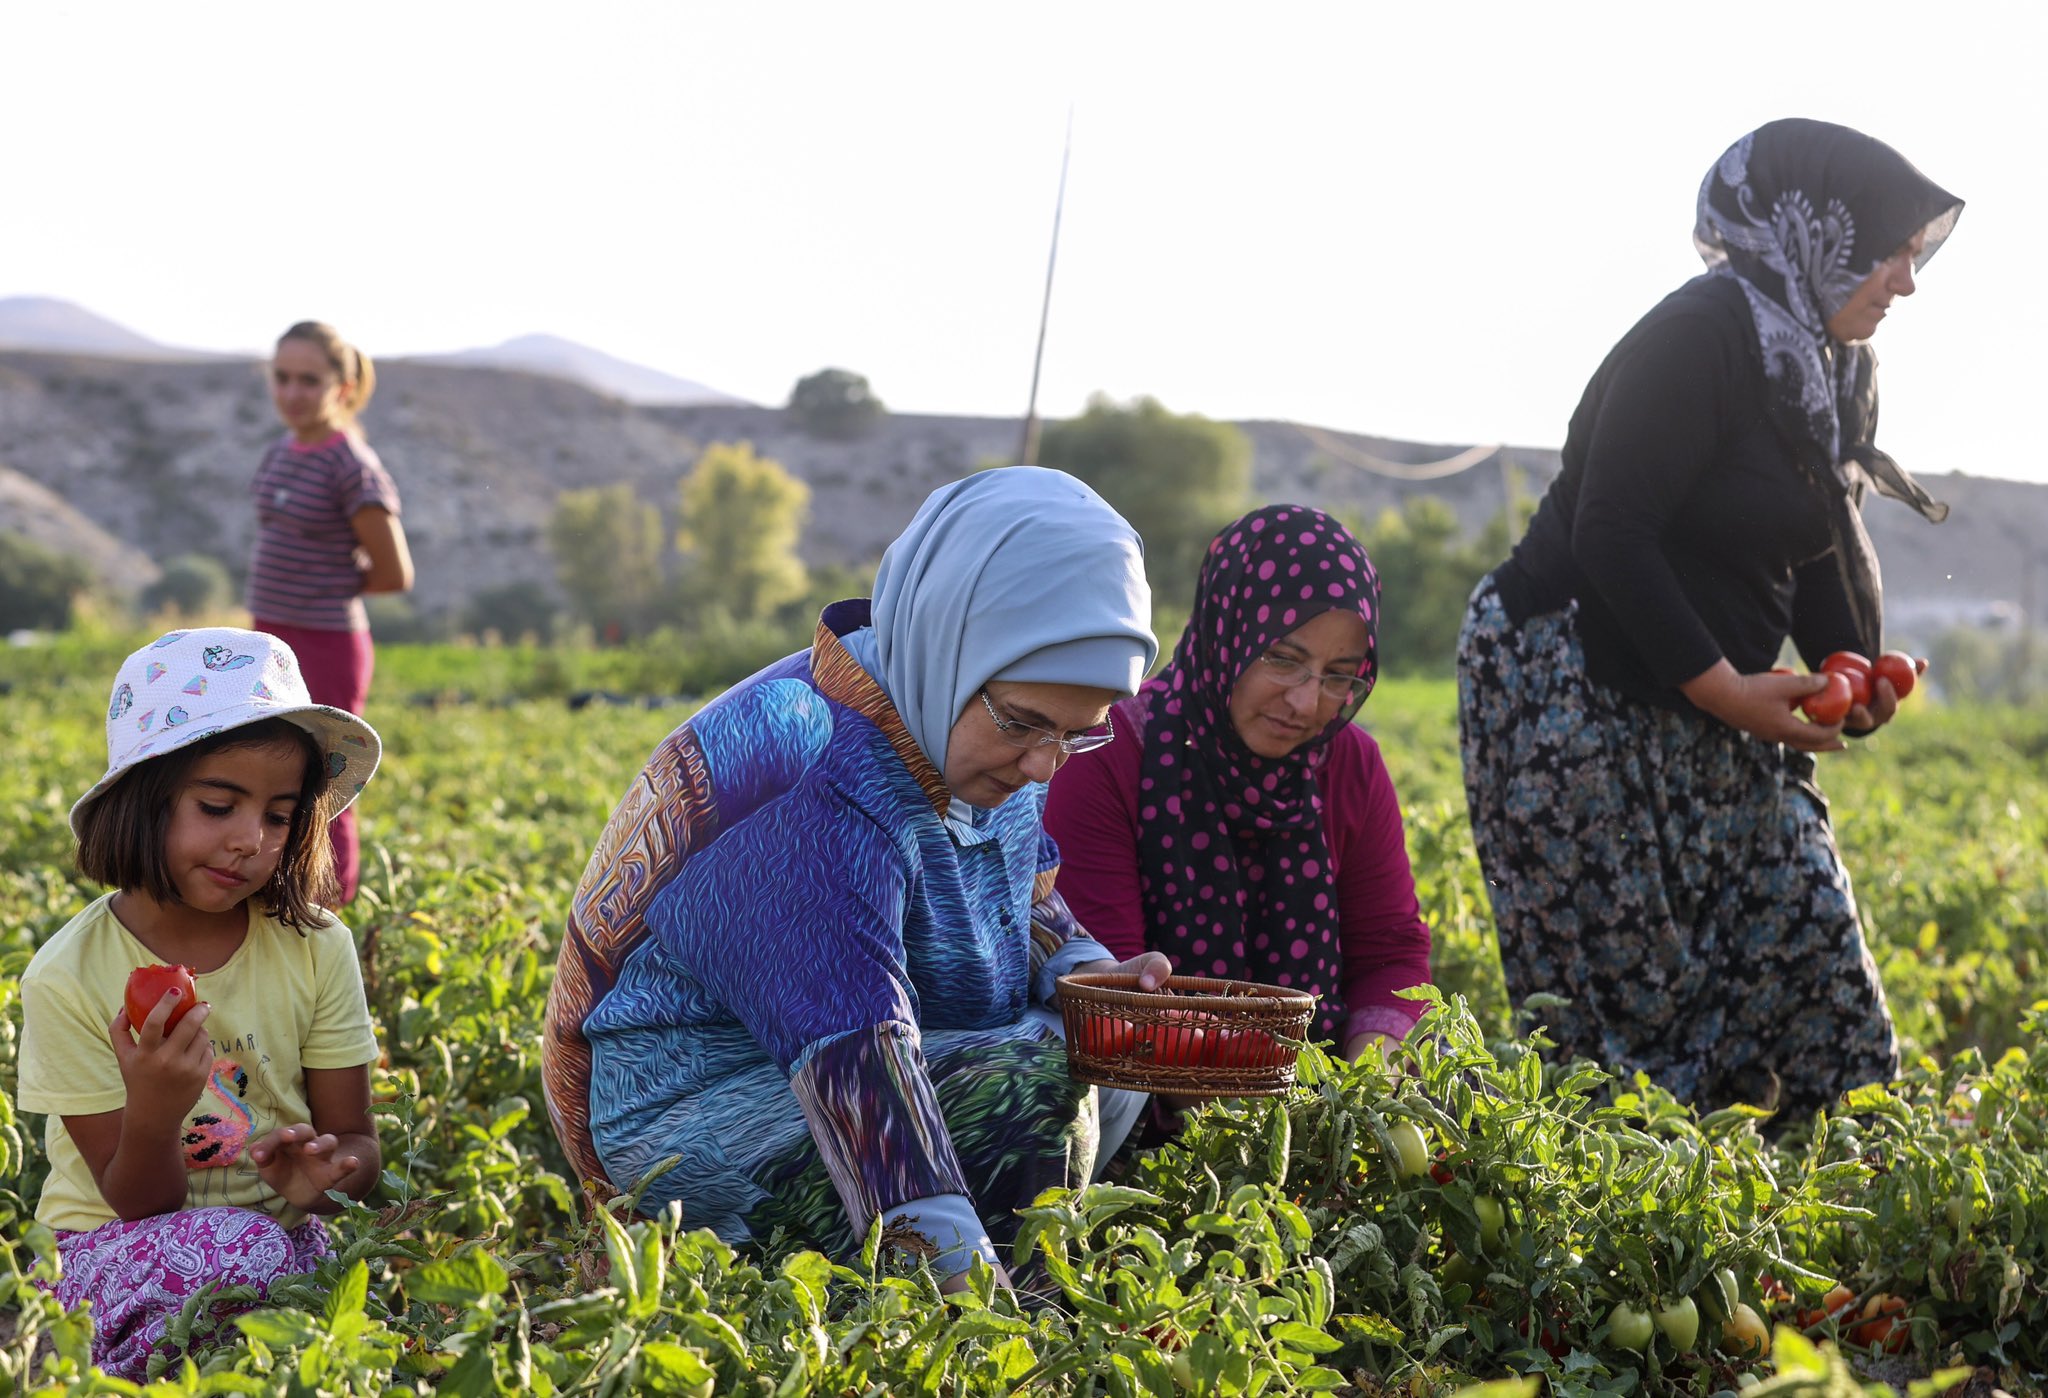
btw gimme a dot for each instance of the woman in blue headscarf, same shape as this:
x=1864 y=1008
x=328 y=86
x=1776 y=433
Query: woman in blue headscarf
x=813 y=956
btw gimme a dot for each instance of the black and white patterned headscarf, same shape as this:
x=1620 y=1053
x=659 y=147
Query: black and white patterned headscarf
x=1799 y=214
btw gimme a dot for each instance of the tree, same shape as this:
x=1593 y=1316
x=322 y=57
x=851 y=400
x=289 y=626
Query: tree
x=607 y=547
x=39 y=586
x=1427 y=572
x=836 y=404
x=741 y=518
x=513 y=610
x=1177 y=478
x=192 y=584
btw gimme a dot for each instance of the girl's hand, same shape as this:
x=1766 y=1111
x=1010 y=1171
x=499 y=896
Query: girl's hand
x=163 y=1073
x=302 y=1164
x=1150 y=967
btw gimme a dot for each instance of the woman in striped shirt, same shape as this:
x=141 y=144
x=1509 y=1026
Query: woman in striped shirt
x=327 y=531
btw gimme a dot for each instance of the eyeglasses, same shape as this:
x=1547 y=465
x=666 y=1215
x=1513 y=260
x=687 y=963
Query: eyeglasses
x=1345 y=689
x=1019 y=734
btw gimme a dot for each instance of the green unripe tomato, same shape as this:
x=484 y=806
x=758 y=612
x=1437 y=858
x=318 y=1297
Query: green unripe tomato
x=1461 y=1270
x=1679 y=1322
x=1493 y=1220
x=1629 y=1328
x=1411 y=1149
x=1719 y=1294
x=1962 y=1207
x=1183 y=1372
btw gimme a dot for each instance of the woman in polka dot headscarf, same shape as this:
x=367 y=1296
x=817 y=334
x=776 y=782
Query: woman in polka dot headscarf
x=1241 y=823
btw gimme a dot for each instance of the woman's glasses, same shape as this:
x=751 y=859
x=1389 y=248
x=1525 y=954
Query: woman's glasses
x=1019 y=734
x=1287 y=673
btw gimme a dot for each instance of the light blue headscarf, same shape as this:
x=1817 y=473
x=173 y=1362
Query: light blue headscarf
x=1019 y=573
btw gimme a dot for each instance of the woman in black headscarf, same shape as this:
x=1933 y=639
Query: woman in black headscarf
x=1641 y=785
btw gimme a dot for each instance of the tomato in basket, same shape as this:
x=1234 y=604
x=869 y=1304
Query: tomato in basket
x=1105 y=1037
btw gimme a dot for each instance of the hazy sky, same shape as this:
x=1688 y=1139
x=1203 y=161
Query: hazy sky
x=1424 y=221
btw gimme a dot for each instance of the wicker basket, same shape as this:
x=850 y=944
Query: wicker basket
x=1197 y=1036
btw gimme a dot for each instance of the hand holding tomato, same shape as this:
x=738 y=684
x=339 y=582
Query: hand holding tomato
x=1875 y=687
x=1763 y=705
x=163 y=1068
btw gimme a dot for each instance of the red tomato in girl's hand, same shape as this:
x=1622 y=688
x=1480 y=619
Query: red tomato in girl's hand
x=1856 y=668
x=147 y=986
x=1898 y=669
x=1106 y=1038
x=1832 y=704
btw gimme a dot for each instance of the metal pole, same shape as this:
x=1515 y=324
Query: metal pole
x=1027 y=452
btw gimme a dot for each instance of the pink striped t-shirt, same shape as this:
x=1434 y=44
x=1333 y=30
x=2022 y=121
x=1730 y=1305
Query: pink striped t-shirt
x=303 y=571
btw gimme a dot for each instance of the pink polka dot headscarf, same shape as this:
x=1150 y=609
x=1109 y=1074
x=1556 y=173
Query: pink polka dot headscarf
x=1234 y=869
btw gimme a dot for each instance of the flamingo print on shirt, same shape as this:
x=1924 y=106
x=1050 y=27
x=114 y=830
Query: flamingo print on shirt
x=214 y=1136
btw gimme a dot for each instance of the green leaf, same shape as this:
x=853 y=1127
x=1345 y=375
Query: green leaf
x=1307 y=1337
x=350 y=1294
x=667 y=1367
x=462 y=1280
x=281 y=1330
x=810 y=1273
x=475 y=1374
x=511 y=1112
x=1376 y=1328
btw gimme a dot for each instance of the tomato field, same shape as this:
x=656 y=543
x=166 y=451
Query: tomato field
x=1475 y=1214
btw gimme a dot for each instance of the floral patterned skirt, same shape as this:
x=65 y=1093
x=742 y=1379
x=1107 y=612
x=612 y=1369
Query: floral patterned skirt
x=1675 y=879
x=139 y=1273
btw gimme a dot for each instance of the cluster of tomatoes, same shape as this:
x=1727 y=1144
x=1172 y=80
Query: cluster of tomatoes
x=1851 y=680
x=1880 y=1320
x=1188 y=1039
x=1677 y=1319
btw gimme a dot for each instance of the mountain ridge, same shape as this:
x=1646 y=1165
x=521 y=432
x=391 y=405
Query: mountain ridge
x=158 y=455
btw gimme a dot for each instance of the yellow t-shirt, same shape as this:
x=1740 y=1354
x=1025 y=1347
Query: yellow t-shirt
x=282 y=1004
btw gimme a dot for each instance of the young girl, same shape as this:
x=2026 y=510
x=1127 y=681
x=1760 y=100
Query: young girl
x=186 y=1153
x=327 y=530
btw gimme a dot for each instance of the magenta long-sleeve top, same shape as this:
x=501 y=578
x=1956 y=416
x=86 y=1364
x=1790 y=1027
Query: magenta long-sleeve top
x=1092 y=814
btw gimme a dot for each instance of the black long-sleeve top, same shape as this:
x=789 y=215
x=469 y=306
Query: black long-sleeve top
x=1682 y=523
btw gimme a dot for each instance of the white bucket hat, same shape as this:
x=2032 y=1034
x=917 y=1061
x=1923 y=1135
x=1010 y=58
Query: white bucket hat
x=191 y=685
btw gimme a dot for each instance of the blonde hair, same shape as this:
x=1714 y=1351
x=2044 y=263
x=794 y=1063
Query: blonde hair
x=350 y=363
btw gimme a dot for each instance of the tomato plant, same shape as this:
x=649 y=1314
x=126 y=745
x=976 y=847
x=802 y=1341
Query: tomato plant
x=147 y=986
x=1272 y=1245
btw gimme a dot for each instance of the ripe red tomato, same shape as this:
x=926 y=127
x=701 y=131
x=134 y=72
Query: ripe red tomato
x=1832 y=704
x=1897 y=668
x=147 y=986
x=1179 y=1045
x=1856 y=668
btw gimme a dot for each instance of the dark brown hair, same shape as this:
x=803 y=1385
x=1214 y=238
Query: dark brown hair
x=121 y=843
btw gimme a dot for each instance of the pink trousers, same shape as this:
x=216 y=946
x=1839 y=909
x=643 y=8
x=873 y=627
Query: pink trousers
x=138 y=1273
x=337 y=666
